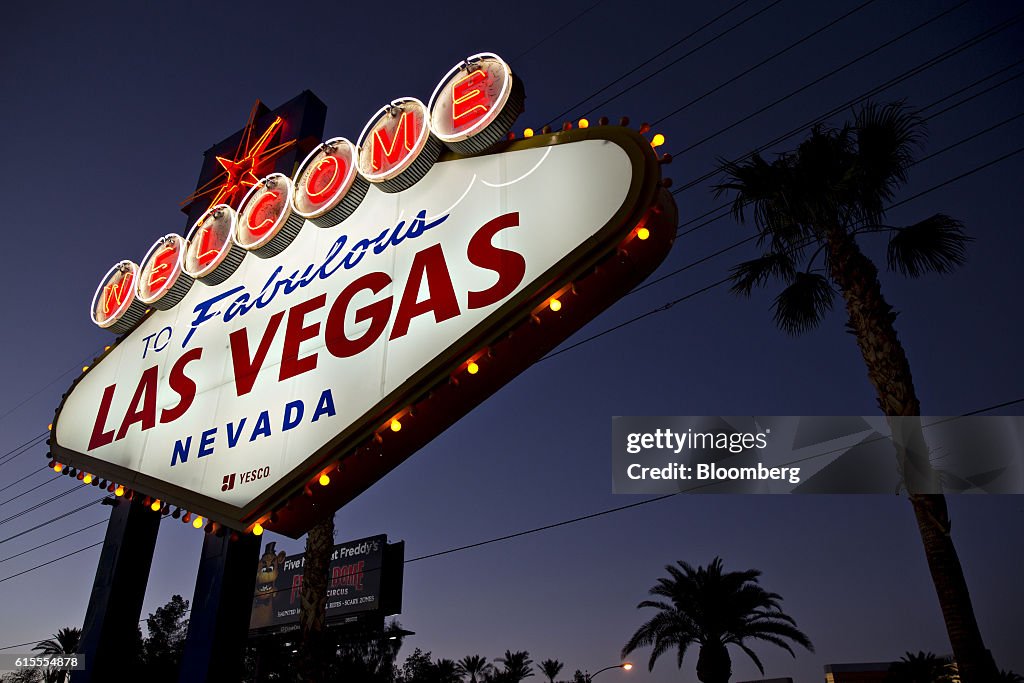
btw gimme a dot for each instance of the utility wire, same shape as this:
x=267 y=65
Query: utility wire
x=675 y=61
x=59 y=538
x=51 y=521
x=558 y=30
x=668 y=305
x=31 y=490
x=18 y=450
x=773 y=56
x=30 y=474
x=41 y=504
x=910 y=73
x=831 y=73
x=727 y=206
x=648 y=61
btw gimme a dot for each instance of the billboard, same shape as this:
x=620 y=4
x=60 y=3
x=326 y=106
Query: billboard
x=364 y=579
x=288 y=353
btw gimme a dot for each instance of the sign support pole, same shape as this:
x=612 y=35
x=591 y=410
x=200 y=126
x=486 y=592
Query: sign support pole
x=112 y=618
x=218 y=625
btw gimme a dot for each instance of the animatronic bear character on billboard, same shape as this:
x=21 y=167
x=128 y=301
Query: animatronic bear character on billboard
x=267 y=589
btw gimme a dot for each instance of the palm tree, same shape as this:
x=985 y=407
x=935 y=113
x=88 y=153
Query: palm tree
x=551 y=668
x=1006 y=676
x=712 y=609
x=516 y=666
x=313 y=599
x=924 y=667
x=832 y=189
x=64 y=642
x=473 y=666
x=446 y=671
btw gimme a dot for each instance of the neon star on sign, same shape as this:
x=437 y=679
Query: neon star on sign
x=248 y=164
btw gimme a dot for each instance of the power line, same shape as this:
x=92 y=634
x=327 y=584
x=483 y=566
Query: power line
x=558 y=30
x=51 y=521
x=57 y=559
x=18 y=450
x=668 y=305
x=910 y=73
x=773 y=56
x=59 y=538
x=726 y=206
x=31 y=490
x=41 y=504
x=675 y=61
x=651 y=59
x=30 y=474
x=831 y=73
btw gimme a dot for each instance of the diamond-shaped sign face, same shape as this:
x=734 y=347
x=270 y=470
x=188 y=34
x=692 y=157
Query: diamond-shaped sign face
x=332 y=361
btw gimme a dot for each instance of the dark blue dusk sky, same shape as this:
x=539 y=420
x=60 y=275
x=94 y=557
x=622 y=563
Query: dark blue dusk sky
x=106 y=113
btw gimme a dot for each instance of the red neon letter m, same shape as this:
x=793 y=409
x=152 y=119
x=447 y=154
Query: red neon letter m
x=387 y=150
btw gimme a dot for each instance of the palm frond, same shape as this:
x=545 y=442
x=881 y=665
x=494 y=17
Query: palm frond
x=802 y=305
x=753 y=657
x=757 y=272
x=936 y=244
x=888 y=136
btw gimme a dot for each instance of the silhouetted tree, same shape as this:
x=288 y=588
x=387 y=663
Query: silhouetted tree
x=1006 y=676
x=445 y=671
x=551 y=668
x=367 y=661
x=516 y=666
x=474 y=666
x=64 y=642
x=819 y=199
x=924 y=667
x=164 y=645
x=713 y=609
x=418 y=667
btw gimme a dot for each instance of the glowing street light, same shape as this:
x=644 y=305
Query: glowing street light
x=625 y=666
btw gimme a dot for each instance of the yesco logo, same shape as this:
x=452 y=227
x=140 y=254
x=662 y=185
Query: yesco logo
x=244 y=477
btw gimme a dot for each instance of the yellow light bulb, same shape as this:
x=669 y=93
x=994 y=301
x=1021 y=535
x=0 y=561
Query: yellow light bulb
x=584 y=123
x=396 y=426
x=197 y=522
x=658 y=140
x=155 y=507
x=87 y=479
x=555 y=305
x=58 y=468
x=49 y=427
x=324 y=480
x=627 y=666
x=472 y=368
x=257 y=530
x=643 y=233
x=119 y=491
x=84 y=368
x=528 y=133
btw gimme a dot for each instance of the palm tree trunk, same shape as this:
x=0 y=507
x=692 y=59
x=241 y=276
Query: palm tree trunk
x=871 y=320
x=313 y=598
x=714 y=664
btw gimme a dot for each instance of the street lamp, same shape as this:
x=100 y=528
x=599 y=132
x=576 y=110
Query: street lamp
x=625 y=666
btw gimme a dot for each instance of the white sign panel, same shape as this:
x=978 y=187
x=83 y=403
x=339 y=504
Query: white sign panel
x=235 y=387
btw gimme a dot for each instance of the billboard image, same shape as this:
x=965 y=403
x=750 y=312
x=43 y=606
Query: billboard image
x=358 y=573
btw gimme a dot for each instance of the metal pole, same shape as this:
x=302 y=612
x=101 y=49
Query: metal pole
x=112 y=618
x=218 y=625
